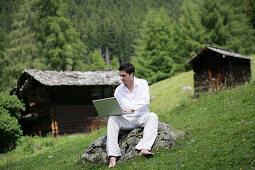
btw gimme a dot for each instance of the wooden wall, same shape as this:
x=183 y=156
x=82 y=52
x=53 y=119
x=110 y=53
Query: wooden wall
x=63 y=109
x=38 y=105
x=74 y=111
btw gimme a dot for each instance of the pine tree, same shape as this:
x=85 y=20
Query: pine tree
x=60 y=39
x=250 y=10
x=23 y=50
x=227 y=25
x=241 y=34
x=95 y=61
x=214 y=18
x=154 y=61
x=8 y=11
x=189 y=35
x=114 y=65
x=3 y=45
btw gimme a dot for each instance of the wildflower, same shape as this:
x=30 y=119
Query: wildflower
x=243 y=139
x=205 y=157
x=182 y=165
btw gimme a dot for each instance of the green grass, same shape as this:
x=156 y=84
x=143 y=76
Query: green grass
x=55 y=153
x=220 y=134
x=252 y=66
x=168 y=93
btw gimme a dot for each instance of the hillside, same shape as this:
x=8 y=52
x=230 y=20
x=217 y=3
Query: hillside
x=168 y=93
x=219 y=134
x=252 y=66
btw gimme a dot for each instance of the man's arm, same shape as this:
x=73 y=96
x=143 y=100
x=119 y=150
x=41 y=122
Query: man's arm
x=144 y=98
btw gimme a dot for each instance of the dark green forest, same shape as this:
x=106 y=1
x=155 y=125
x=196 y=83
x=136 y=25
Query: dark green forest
x=158 y=36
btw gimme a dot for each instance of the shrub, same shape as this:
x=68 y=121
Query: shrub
x=12 y=104
x=10 y=130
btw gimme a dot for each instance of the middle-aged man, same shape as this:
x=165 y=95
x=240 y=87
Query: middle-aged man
x=133 y=96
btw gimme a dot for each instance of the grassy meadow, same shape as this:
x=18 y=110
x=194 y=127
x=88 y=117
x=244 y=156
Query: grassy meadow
x=220 y=133
x=167 y=94
x=253 y=66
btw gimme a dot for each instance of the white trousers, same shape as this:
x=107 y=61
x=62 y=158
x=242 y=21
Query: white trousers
x=116 y=123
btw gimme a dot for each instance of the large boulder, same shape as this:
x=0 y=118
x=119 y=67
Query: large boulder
x=96 y=151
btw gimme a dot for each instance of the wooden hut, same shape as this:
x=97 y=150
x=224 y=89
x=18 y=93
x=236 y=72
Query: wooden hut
x=61 y=102
x=216 y=68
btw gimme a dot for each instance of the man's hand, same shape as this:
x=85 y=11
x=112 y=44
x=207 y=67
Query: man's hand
x=127 y=110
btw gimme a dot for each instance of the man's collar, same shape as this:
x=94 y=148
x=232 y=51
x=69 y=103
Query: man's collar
x=135 y=81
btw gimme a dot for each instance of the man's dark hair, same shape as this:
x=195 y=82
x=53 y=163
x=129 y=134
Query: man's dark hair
x=128 y=67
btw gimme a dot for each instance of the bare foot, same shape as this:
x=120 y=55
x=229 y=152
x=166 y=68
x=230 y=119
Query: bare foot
x=145 y=152
x=112 y=162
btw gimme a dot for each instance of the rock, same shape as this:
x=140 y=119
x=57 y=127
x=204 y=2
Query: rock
x=186 y=88
x=96 y=151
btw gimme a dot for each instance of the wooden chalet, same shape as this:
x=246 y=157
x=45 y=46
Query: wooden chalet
x=216 y=68
x=61 y=102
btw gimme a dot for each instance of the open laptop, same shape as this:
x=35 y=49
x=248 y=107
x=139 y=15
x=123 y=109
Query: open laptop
x=108 y=107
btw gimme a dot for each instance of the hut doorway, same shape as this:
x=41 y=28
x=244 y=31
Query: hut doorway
x=216 y=79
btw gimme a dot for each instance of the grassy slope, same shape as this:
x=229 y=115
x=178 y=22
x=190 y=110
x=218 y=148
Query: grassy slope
x=220 y=134
x=168 y=93
x=253 y=66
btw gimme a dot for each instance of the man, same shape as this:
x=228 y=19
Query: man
x=133 y=96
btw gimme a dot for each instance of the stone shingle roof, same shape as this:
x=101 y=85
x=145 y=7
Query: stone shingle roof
x=74 y=78
x=220 y=51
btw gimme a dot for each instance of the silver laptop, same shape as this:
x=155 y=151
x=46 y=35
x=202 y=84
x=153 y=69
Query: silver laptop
x=108 y=107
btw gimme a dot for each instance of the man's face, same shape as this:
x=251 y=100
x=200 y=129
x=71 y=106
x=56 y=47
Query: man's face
x=125 y=77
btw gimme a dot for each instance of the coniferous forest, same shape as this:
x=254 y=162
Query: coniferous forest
x=158 y=36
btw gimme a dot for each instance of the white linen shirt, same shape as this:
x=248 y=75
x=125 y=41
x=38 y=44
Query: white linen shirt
x=138 y=100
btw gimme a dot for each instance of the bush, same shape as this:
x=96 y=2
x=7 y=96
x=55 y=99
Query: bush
x=10 y=130
x=12 y=104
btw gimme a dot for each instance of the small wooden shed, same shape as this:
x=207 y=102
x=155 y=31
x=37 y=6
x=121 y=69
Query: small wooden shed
x=61 y=102
x=216 y=68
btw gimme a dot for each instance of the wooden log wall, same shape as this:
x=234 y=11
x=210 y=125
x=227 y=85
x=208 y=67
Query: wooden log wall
x=38 y=104
x=77 y=119
x=74 y=111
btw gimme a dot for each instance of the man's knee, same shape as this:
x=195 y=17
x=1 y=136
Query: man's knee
x=153 y=116
x=113 y=121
